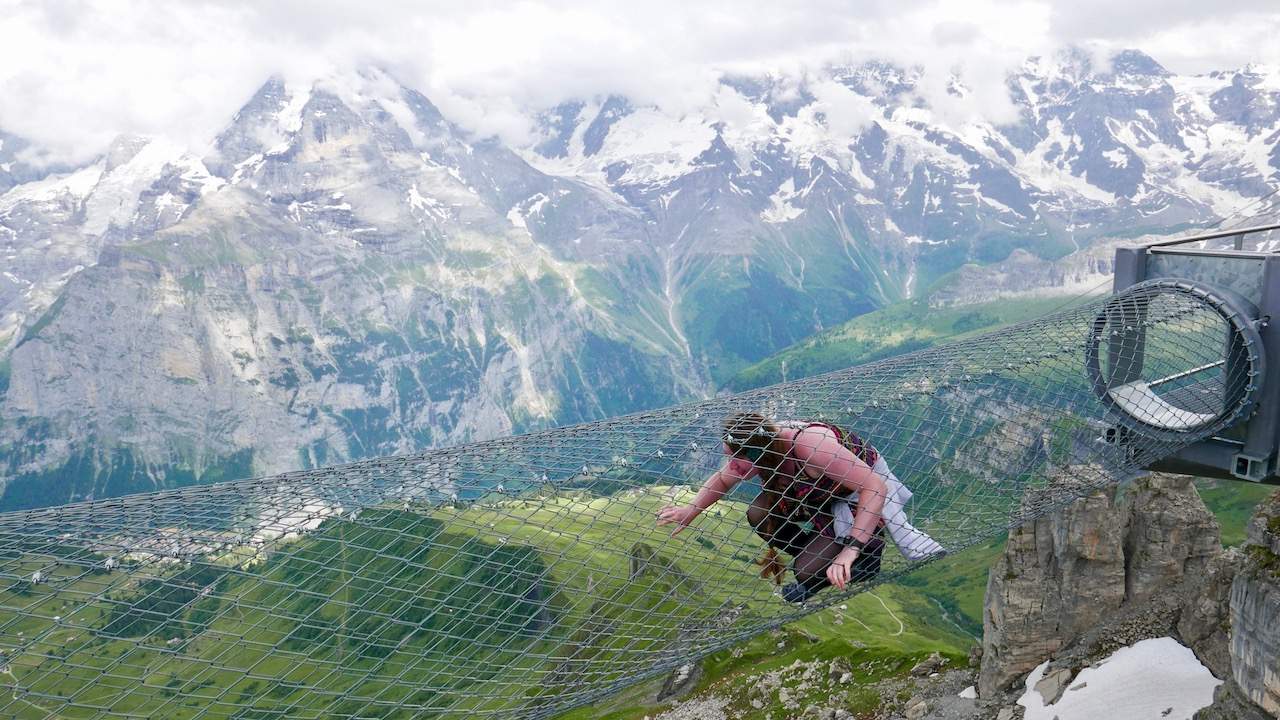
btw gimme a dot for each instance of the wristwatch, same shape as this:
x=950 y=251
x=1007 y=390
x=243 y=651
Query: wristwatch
x=850 y=541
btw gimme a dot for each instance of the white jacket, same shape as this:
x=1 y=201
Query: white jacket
x=913 y=543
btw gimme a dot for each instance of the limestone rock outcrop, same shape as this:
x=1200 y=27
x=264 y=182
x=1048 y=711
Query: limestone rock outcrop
x=1170 y=535
x=1120 y=566
x=1255 y=611
x=1058 y=576
x=1066 y=573
x=1203 y=623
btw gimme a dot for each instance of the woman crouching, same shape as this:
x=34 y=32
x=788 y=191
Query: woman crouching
x=811 y=475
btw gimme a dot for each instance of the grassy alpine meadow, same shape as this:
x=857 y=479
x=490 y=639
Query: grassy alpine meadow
x=409 y=612
x=398 y=610
x=893 y=330
x=877 y=634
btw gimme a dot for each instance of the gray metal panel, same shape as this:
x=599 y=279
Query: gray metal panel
x=1130 y=267
x=1243 y=275
x=1255 y=276
x=1264 y=428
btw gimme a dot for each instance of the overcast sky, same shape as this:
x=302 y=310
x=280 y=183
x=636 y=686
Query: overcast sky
x=75 y=73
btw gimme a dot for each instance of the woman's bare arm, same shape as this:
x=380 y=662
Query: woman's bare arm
x=822 y=454
x=720 y=483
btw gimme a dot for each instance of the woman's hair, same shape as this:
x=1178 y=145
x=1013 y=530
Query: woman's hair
x=748 y=433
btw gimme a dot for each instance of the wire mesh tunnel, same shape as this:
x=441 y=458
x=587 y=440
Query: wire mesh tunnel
x=523 y=576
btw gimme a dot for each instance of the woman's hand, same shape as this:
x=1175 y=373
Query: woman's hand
x=840 y=569
x=681 y=516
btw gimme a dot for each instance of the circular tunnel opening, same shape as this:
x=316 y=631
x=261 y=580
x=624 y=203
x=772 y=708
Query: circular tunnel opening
x=1176 y=357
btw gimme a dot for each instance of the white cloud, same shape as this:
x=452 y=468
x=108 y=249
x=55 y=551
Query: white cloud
x=74 y=73
x=846 y=112
x=737 y=111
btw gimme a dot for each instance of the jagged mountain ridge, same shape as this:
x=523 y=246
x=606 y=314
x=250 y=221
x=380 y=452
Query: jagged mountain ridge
x=322 y=286
x=1092 y=150
x=348 y=274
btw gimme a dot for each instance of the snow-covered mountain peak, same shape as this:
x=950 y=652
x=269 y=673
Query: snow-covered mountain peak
x=1133 y=63
x=1093 y=133
x=123 y=149
x=348 y=273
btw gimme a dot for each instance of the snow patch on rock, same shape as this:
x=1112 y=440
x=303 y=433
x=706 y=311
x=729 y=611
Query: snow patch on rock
x=780 y=209
x=1156 y=679
x=77 y=185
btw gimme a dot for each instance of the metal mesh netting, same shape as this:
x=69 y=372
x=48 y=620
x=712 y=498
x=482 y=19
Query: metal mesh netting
x=523 y=576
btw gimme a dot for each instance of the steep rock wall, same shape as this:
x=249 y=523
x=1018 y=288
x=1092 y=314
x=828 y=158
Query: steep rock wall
x=1255 y=611
x=1068 y=573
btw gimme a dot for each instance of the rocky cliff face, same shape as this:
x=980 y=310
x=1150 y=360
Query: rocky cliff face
x=1099 y=562
x=345 y=276
x=1059 y=575
x=1204 y=623
x=1255 y=611
x=1170 y=536
x=1057 y=595
x=1023 y=274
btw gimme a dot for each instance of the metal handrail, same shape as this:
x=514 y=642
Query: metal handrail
x=1247 y=254
x=1215 y=235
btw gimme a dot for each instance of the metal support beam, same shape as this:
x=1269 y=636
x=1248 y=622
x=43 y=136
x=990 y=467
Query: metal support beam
x=1130 y=267
x=1213 y=458
x=1263 y=432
